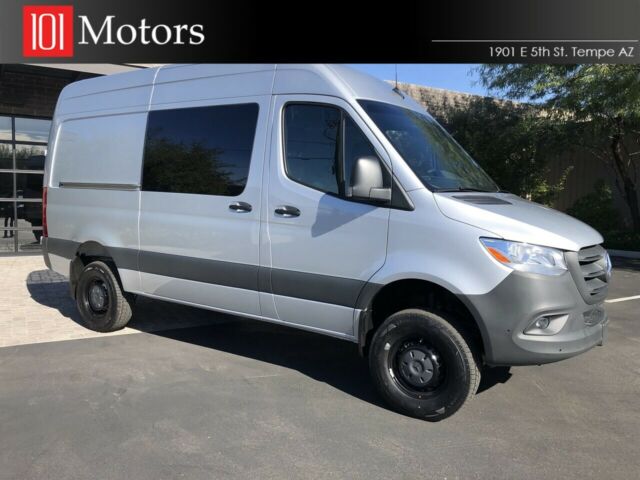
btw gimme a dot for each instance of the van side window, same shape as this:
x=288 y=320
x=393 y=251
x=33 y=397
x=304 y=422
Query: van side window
x=202 y=150
x=311 y=145
x=322 y=144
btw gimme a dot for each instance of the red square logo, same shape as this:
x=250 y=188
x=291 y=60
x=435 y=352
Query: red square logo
x=47 y=30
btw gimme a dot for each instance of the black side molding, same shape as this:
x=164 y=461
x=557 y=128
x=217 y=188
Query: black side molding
x=346 y=292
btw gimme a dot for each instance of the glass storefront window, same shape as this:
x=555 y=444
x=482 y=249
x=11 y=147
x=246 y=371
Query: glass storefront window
x=6 y=185
x=7 y=242
x=29 y=241
x=32 y=130
x=5 y=128
x=7 y=216
x=6 y=156
x=29 y=215
x=22 y=157
x=29 y=185
x=30 y=157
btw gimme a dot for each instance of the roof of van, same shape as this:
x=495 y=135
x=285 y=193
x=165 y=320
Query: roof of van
x=156 y=86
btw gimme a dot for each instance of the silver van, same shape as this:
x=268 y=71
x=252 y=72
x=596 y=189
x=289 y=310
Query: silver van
x=316 y=197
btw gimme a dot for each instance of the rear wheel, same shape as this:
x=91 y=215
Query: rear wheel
x=103 y=305
x=422 y=365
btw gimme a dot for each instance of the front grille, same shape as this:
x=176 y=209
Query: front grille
x=589 y=270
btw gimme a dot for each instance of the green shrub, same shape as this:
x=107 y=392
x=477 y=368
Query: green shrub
x=622 y=240
x=597 y=210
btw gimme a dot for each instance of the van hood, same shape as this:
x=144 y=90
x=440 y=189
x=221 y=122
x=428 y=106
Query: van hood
x=513 y=218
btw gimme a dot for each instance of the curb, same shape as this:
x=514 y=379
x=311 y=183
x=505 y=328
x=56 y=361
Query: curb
x=624 y=253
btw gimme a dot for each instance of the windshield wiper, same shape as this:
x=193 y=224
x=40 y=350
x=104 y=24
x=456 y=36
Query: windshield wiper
x=462 y=189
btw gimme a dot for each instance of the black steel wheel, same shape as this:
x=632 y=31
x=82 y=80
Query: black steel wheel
x=102 y=304
x=422 y=366
x=418 y=367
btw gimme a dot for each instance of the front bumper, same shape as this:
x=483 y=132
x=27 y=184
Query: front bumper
x=509 y=309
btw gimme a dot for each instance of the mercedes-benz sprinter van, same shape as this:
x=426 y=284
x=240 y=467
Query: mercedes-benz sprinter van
x=317 y=197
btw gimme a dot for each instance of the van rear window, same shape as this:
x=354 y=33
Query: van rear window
x=202 y=150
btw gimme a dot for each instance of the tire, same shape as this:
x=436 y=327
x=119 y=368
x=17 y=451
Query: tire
x=102 y=304
x=422 y=366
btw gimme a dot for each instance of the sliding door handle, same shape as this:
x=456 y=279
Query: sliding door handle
x=287 y=211
x=240 y=207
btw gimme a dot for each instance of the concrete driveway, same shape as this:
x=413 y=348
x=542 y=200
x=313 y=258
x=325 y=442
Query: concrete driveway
x=236 y=398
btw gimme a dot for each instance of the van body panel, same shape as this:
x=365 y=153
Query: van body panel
x=520 y=220
x=93 y=183
x=93 y=138
x=307 y=79
x=205 y=227
x=57 y=263
x=318 y=271
x=336 y=320
x=222 y=297
x=326 y=239
x=192 y=83
x=128 y=90
x=106 y=217
x=188 y=72
x=425 y=245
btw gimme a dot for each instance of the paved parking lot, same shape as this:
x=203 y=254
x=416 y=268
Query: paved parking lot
x=242 y=399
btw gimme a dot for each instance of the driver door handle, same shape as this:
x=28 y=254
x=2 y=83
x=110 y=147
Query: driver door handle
x=287 y=211
x=240 y=207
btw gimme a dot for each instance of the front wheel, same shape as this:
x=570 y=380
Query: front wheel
x=103 y=305
x=422 y=366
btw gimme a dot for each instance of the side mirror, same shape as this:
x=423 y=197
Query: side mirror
x=367 y=181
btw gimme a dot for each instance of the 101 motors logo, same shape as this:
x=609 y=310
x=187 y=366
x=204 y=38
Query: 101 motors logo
x=47 y=31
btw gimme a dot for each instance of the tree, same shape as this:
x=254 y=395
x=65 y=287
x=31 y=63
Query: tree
x=511 y=141
x=597 y=208
x=597 y=105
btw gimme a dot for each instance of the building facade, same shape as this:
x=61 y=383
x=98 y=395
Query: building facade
x=28 y=96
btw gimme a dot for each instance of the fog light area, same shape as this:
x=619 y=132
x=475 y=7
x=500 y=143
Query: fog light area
x=593 y=317
x=547 y=325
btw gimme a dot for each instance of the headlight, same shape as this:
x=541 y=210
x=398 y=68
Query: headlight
x=525 y=257
x=609 y=266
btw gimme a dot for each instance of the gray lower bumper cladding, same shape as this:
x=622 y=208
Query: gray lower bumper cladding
x=510 y=309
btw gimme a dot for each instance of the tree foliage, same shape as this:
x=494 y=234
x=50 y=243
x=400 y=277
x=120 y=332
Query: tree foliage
x=597 y=208
x=510 y=141
x=595 y=105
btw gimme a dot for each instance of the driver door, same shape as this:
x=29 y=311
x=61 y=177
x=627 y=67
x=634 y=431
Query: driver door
x=321 y=246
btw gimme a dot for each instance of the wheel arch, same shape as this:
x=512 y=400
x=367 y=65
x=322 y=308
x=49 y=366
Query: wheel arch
x=376 y=302
x=86 y=253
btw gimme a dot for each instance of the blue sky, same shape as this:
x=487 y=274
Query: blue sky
x=458 y=77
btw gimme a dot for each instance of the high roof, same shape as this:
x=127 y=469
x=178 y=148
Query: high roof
x=152 y=86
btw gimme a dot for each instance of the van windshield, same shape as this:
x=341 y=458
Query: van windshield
x=433 y=155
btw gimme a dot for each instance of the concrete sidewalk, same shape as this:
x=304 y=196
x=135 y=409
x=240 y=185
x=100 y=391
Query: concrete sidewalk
x=35 y=307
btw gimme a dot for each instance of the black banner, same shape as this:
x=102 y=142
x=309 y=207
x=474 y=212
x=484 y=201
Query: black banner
x=162 y=31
